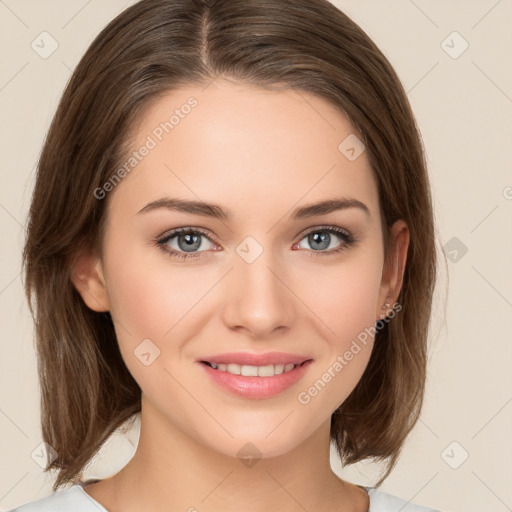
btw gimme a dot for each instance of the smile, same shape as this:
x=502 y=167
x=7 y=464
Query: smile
x=255 y=376
x=254 y=371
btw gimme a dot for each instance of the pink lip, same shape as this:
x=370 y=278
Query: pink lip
x=256 y=359
x=256 y=387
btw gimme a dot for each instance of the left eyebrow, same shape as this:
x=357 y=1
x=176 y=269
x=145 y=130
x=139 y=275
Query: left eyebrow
x=325 y=207
x=218 y=212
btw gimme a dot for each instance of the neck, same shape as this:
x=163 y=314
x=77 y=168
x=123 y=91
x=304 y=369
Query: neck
x=172 y=470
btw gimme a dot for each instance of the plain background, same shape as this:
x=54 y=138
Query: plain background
x=458 y=457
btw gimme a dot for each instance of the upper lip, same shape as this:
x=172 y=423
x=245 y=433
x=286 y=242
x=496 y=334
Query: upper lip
x=246 y=358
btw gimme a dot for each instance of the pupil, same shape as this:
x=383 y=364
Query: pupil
x=191 y=242
x=322 y=239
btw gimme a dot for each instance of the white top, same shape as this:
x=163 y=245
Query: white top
x=75 y=499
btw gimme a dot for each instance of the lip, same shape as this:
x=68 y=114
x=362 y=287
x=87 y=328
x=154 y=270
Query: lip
x=256 y=388
x=255 y=359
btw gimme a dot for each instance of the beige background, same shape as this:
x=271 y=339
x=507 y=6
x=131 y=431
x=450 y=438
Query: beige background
x=463 y=106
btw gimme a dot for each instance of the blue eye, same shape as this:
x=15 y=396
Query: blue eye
x=320 y=238
x=184 y=243
x=188 y=241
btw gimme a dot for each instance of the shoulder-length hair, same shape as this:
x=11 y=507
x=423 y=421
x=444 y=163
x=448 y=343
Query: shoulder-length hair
x=154 y=47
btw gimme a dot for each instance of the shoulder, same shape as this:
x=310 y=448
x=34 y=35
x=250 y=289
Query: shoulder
x=383 y=502
x=72 y=499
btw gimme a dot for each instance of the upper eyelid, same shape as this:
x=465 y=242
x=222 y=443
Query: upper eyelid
x=178 y=231
x=337 y=229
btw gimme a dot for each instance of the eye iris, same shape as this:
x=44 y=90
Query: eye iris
x=193 y=242
x=321 y=239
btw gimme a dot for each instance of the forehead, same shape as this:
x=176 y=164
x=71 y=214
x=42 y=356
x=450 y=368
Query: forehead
x=245 y=147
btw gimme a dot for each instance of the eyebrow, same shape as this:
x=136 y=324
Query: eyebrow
x=218 y=212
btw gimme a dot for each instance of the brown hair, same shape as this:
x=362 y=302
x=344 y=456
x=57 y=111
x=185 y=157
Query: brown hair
x=156 y=46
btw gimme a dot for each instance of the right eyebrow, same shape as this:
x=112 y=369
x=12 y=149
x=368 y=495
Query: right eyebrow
x=187 y=206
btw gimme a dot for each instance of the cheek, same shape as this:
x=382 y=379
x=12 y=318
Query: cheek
x=137 y=302
x=148 y=298
x=151 y=299
x=344 y=297
x=153 y=309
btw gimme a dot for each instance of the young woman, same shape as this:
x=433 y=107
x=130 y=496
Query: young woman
x=231 y=234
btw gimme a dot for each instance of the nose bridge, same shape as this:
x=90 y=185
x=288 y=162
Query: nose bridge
x=257 y=298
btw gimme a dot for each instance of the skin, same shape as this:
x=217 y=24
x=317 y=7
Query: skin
x=259 y=154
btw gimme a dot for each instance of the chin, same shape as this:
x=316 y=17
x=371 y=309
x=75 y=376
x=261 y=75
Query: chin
x=264 y=438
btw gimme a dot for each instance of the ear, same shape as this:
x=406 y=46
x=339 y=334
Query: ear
x=394 y=267
x=87 y=277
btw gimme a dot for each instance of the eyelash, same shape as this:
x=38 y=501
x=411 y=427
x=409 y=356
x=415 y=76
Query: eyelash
x=161 y=242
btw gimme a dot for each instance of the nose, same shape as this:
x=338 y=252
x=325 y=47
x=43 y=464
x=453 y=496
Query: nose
x=258 y=298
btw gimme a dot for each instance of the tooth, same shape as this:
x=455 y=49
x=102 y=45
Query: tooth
x=249 y=371
x=234 y=368
x=279 y=368
x=266 y=371
x=254 y=371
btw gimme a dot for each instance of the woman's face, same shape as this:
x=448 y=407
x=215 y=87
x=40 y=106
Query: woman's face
x=258 y=278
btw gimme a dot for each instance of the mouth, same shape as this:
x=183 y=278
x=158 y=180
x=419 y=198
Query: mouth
x=245 y=370
x=255 y=376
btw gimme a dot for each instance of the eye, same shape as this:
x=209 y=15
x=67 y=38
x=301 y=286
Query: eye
x=321 y=238
x=184 y=242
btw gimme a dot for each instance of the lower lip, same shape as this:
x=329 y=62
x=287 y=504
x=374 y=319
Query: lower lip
x=256 y=387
